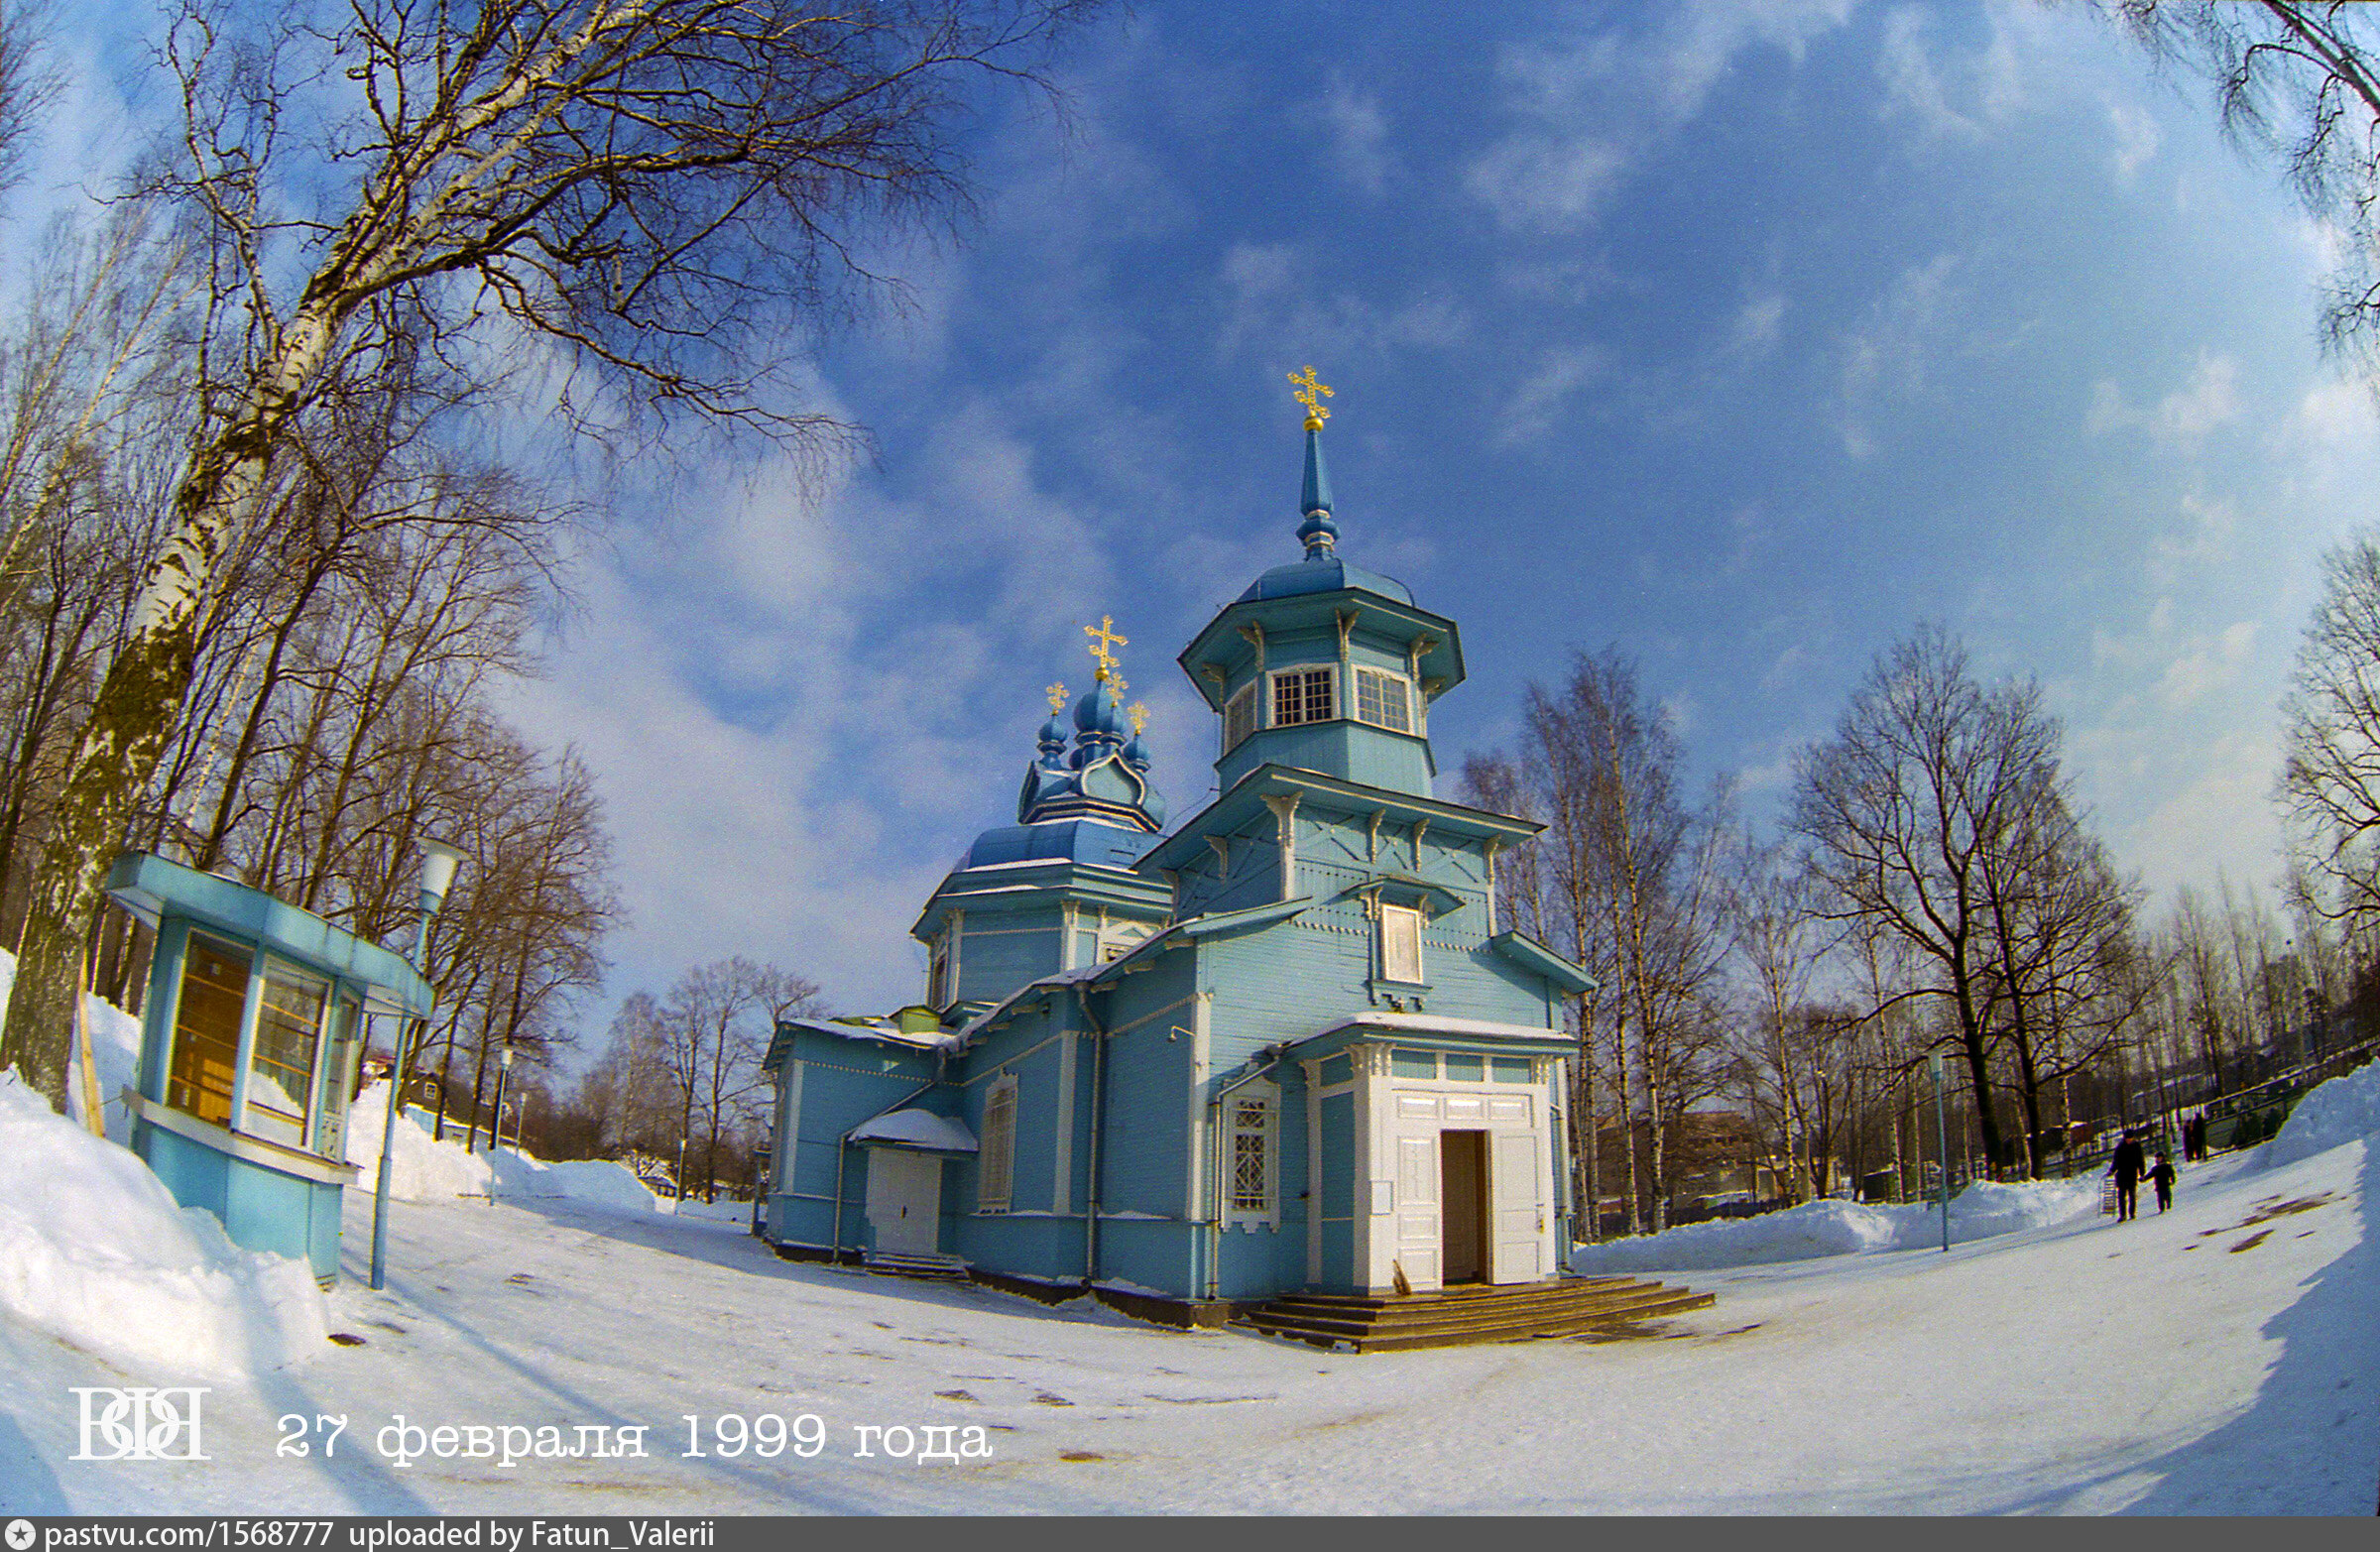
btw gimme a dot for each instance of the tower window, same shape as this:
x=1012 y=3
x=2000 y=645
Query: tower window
x=1400 y=943
x=1384 y=699
x=1303 y=696
x=1239 y=717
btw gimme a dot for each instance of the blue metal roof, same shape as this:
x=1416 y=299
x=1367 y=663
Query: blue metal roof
x=1325 y=573
x=150 y=888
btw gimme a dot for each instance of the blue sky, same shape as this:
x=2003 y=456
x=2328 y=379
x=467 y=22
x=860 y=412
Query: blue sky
x=1743 y=336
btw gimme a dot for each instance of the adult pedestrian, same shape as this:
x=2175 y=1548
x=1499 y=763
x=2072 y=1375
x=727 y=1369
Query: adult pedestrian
x=2162 y=1177
x=2126 y=1168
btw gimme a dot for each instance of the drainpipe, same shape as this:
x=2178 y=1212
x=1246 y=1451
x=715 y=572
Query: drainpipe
x=843 y=1153
x=1271 y=1056
x=1099 y=1095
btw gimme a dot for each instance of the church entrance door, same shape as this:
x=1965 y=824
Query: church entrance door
x=905 y=1200
x=1462 y=1173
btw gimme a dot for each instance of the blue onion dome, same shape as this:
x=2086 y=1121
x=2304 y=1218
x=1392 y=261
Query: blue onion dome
x=1135 y=753
x=1053 y=739
x=1099 y=714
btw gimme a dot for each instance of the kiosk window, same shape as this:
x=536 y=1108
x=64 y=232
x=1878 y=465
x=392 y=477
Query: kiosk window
x=206 y=1030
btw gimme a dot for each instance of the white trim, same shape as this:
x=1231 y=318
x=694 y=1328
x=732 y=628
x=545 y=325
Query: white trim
x=789 y=1125
x=247 y=1149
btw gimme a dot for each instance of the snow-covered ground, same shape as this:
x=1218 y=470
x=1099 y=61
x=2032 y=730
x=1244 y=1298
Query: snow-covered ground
x=2221 y=1358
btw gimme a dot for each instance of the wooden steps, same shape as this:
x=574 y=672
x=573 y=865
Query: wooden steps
x=931 y=1267
x=1515 y=1312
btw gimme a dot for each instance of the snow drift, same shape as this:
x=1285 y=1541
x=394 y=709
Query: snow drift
x=95 y=1252
x=2341 y=1109
x=1836 y=1228
x=424 y=1169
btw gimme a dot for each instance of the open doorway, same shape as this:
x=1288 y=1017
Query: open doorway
x=1463 y=1180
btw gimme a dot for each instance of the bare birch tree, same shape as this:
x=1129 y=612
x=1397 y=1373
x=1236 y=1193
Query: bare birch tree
x=662 y=194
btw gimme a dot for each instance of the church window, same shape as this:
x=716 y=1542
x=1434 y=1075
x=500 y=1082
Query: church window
x=937 y=978
x=996 y=1153
x=1400 y=943
x=1239 y=718
x=1302 y=695
x=1251 y=1158
x=1384 y=699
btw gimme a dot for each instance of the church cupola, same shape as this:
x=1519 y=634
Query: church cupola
x=1322 y=665
x=1105 y=776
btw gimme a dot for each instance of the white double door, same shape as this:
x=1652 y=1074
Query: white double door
x=905 y=1200
x=1469 y=1188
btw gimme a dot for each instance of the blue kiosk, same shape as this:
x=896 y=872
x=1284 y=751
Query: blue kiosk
x=251 y=1034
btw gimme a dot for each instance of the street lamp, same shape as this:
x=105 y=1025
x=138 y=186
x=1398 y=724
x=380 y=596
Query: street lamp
x=438 y=861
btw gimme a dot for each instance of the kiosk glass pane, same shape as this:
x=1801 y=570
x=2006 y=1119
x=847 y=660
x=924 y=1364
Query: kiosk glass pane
x=206 y=1030
x=281 y=1072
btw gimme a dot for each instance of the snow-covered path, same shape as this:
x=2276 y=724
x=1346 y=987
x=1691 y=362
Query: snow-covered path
x=2206 y=1360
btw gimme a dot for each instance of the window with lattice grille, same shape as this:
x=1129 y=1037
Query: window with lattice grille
x=1303 y=696
x=995 y=1151
x=1384 y=699
x=1239 y=718
x=1251 y=1155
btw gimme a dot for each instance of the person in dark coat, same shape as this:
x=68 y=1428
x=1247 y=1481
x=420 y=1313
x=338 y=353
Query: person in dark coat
x=2162 y=1177
x=2126 y=1168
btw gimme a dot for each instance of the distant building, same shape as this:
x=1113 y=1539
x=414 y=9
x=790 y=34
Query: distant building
x=1286 y=1045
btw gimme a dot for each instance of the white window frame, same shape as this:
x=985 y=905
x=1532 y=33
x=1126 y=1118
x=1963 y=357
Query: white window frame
x=999 y=1141
x=1239 y=717
x=1264 y=1098
x=1394 y=686
x=1390 y=968
x=1307 y=676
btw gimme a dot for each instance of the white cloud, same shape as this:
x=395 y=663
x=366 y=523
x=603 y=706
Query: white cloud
x=1588 y=103
x=1886 y=356
x=2199 y=545
x=1359 y=136
x=2181 y=419
x=1920 y=88
x=2136 y=139
x=1545 y=182
x=1535 y=405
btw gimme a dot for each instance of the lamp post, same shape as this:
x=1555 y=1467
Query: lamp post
x=504 y=1070
x=438 y=861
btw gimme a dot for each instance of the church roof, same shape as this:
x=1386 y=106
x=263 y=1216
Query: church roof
x=1322 y=573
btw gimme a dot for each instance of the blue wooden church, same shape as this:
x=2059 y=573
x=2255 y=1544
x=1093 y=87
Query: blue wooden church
x=1286 y=1047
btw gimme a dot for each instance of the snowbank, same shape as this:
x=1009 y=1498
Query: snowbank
x=424 y=1169
x=421 y=1169
x=94 y=1251
x=1835 y=1228
x=582 y=1179
x=2341 y=1109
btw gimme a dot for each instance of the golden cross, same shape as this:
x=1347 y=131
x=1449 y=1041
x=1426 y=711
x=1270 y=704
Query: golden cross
x=1311 y=394
x=1139 y=718
x=1117 y=684
x=1104 y=641
x=1057 y=697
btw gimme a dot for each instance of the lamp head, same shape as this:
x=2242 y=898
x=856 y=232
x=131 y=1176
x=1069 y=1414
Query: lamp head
x=438 y=861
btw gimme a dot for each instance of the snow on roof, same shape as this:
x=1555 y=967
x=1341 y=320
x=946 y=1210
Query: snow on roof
x=872 y=1029
x=1432 y=1024
x=916 y=1128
